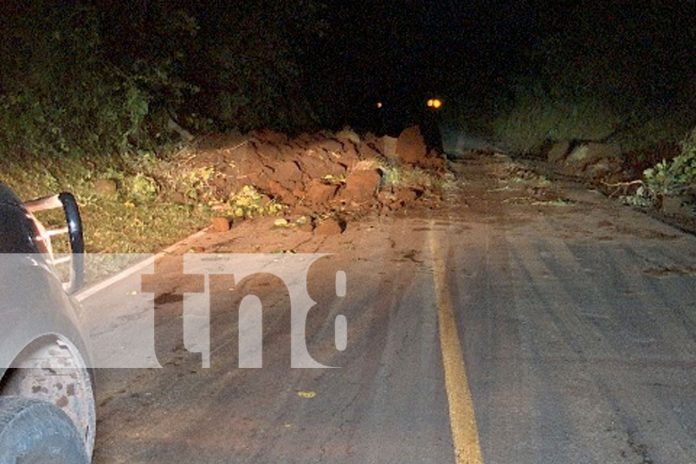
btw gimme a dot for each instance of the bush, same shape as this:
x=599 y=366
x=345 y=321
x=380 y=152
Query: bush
x=618 y=72
x=104 y=77
x=677 y=176
x=59 y=95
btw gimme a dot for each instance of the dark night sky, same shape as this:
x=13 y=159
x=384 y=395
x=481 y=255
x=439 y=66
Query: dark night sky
x=426 y=46
x=419 y=42
x=407 y=49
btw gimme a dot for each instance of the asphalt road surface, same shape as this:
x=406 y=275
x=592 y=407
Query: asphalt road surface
x=520 y=322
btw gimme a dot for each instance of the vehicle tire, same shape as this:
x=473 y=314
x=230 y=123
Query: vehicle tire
x=37 y=432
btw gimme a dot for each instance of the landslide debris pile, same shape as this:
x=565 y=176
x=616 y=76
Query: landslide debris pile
x=318 y=175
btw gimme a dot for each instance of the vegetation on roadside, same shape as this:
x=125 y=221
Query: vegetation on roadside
x=676 y=176
x=108 y=92
x=619 y=73
x=399 y=176
x=138 y=215
x=249 y=203
x=537 y=116
x=105 y=77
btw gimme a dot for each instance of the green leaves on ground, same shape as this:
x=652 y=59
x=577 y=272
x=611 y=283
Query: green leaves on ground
x=676 y=176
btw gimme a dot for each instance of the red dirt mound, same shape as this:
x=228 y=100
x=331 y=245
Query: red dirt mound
x=319 y=174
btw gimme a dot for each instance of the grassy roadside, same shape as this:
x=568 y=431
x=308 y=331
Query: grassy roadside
x=140 y=215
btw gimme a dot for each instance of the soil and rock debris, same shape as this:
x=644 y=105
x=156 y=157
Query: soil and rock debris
x=320 y=183
x=317 y=181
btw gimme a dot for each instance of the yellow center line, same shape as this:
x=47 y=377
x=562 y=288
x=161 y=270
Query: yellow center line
x=461 y=408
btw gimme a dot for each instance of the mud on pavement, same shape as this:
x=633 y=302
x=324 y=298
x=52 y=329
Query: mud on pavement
x=515 y=245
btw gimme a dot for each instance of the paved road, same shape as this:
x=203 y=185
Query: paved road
x=521 y=322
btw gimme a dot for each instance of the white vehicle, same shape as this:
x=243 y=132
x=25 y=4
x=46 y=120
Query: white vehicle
x=47 y=406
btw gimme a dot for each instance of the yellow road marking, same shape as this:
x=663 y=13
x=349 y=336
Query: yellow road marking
x=461 y=408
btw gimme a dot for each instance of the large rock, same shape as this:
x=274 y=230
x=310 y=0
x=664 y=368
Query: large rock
x=361 y=186
x=387 y=145
x=287 y=174
x=411 y=147
x=587 y=154
x=558 y=152
x=348 y=134
x=313 y=164
x=319 y=193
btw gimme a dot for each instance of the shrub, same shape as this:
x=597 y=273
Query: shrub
x=108 y=77
x=677 y=176
x=248 y=203
x=59 y=95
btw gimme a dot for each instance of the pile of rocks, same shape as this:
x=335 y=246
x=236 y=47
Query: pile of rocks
x=321 y=174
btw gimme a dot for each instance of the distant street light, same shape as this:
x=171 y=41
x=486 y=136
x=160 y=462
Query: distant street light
x=434 y=103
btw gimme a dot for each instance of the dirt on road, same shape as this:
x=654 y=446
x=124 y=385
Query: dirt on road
x=574 y=316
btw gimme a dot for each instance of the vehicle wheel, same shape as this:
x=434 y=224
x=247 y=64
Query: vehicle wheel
x=37 y=432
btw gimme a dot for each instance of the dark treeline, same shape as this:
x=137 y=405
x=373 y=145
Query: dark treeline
x=106 y=76
x=616 y=71
x=109 y=75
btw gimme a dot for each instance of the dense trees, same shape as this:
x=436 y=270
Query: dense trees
x=108 y=75
x=104 y=76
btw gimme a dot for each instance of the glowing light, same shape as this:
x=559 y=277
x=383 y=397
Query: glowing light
x=434 y=103
x=379 y=104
